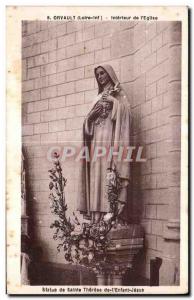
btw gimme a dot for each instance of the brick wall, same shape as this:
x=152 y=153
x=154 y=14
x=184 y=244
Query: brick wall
x=58 y=60
x=156 y=77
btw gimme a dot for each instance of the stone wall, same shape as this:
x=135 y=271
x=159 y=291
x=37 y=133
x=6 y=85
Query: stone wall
x=156 y=125
x=58 y=59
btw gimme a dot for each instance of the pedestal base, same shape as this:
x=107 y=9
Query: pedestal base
x=101 y=279
x=111 y=280
x=125 y=243
x=111 y=277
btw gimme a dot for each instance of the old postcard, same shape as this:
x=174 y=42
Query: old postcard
x=97 y=150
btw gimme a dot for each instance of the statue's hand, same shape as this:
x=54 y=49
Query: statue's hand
x=95 y=113
x=107 y=97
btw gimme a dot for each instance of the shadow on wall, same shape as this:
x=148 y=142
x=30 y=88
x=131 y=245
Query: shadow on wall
x=30 y=208
x=136 y=191
x=136 y=203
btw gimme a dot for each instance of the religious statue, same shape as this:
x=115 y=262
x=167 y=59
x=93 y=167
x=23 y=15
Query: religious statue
x=106 y=134
x=106 y=242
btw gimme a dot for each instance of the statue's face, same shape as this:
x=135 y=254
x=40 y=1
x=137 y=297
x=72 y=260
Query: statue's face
x=102 y=76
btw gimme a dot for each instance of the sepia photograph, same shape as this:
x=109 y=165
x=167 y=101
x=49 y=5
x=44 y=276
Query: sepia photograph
x=101 y=153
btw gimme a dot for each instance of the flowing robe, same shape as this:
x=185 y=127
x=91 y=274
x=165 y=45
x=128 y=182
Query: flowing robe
x=110 y=130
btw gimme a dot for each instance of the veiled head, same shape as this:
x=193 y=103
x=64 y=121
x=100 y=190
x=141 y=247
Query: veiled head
x=105 y=74
x=102 y=76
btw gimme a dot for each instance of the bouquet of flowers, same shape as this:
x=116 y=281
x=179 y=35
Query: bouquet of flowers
x=84 y=243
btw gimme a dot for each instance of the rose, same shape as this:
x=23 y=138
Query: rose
x=82 y=244
x=90 y=256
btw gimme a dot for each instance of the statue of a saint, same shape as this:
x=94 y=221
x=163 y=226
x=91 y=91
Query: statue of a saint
x=106 y=133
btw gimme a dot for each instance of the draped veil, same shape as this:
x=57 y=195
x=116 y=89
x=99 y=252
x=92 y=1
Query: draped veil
x=115 y=132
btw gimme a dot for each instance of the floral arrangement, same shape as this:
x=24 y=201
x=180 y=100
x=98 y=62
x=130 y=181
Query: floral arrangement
x=84 y=243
